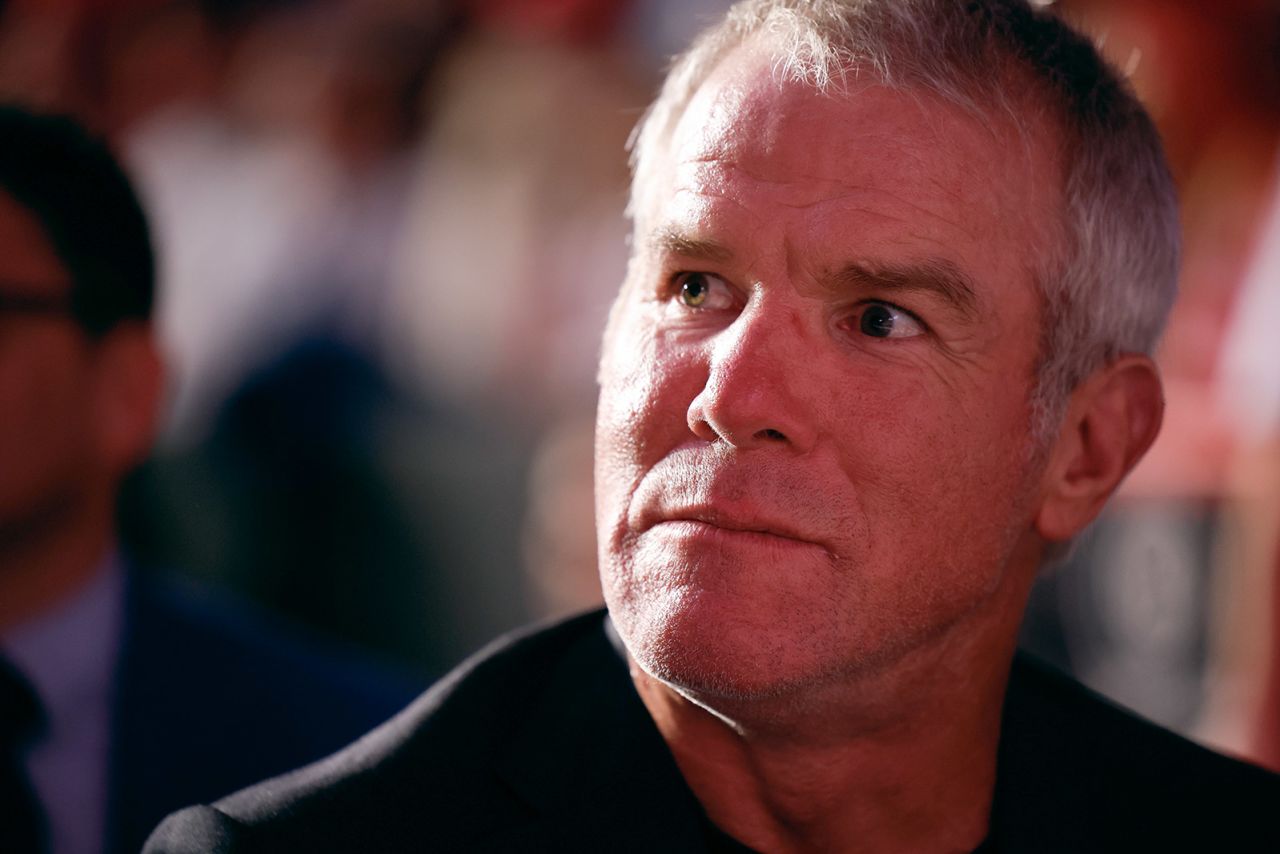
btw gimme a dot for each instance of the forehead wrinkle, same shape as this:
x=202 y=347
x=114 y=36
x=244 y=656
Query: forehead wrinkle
x=820 y=190
x=701 y=216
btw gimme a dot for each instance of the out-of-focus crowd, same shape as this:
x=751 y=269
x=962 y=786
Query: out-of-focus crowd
x=1170 y=604
x=389 y=232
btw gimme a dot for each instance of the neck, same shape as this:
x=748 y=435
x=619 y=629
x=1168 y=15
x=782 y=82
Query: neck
x=47 y=559
x=903 y=759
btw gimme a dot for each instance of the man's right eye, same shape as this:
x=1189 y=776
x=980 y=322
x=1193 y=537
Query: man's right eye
x=703 y=291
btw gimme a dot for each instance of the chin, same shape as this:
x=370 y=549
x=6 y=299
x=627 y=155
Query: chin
x=710 y=650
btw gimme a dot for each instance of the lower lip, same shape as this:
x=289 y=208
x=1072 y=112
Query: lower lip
x=693 y=530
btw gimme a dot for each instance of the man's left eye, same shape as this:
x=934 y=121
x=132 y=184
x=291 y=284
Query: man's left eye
x=880 y=320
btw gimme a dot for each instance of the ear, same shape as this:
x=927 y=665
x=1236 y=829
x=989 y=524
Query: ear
x=128 y=385
x=1111 y=421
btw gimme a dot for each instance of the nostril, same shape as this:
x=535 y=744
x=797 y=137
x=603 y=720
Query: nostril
x=772 y=434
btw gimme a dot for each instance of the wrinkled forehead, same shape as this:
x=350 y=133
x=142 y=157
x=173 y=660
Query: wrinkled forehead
x=805 y=143
x=743 y=111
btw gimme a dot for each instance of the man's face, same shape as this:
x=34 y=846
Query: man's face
x=46 y=370
x=813 y=442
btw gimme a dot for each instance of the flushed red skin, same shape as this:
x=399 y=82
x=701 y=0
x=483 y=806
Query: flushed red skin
x=785 y=504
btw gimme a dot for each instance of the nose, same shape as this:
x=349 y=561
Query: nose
x=754 y=368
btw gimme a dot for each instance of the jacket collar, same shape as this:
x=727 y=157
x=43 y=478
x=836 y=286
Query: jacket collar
x=590 y=760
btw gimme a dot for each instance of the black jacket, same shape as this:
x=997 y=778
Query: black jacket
x=540 y=743
x=209 y=699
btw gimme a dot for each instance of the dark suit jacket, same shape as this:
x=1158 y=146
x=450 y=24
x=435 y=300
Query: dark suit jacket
x=540 y=743
x=210 y=699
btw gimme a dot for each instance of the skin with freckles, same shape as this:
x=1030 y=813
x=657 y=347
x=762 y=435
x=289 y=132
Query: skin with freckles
x=819 y=505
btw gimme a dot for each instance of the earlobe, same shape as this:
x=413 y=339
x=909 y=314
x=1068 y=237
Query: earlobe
x=130 y=380
x=1112 y=419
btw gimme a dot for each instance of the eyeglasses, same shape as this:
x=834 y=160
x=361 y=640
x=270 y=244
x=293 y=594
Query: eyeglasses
x=36 y=304
x=94 y=320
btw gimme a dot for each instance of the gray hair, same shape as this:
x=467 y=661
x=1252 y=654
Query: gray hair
x=1107 y=288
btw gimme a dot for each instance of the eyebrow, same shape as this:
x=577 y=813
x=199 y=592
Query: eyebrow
x=671 y=241
x=933 y=275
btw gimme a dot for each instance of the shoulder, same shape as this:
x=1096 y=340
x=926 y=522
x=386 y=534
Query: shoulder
x=205 y=642
x=425 y=774
x=212 y=697
x=1102 y=775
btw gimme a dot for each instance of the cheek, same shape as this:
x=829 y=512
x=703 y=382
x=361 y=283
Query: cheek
x=920 y=454
x=646 y=386
x=936 y=417
x=45 y=434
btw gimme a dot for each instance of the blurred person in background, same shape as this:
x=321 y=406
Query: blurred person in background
x=141 y=695
x=271 y=140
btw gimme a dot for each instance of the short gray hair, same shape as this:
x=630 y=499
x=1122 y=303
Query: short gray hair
x=1108 y=287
